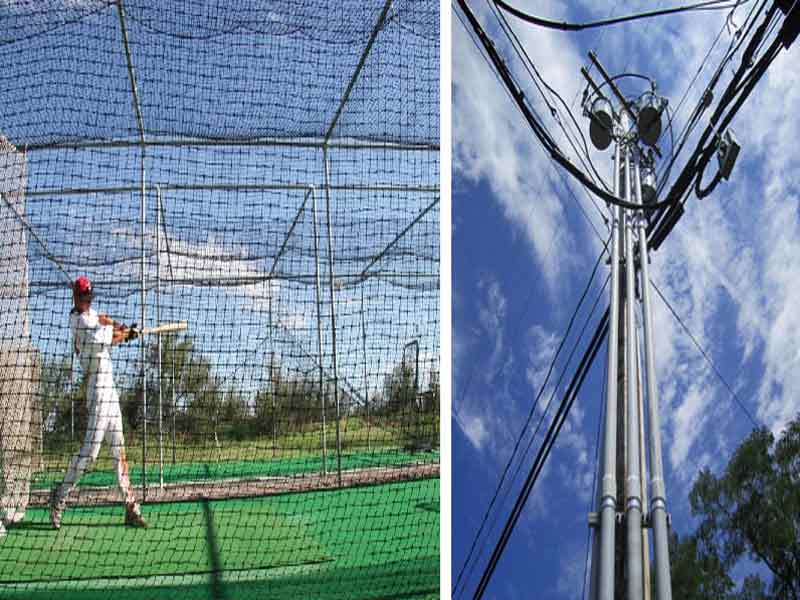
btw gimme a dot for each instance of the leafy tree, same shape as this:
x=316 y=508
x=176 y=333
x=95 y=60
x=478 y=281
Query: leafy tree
x=752 y=509
x=399 y=390
x=289 y=402
x=697 y=570
x=197 y=391
x=60 y=397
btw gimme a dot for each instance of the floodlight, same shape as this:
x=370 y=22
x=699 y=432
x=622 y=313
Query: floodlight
x=601 y=127
x=649 y=119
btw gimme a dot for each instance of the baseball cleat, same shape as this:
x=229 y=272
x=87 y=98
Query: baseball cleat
x=133 y=517
x=56 y=508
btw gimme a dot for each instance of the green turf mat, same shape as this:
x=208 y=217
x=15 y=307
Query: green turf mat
x=279 y=467
x=373 y=542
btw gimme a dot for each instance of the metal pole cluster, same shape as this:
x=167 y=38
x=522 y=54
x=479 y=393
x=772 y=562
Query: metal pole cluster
x=624 y=410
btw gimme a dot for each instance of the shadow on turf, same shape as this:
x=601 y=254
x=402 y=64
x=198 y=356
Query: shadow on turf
x=429 y=506
x=214 y=562
x=28 y=526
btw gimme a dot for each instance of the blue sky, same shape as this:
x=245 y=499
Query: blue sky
x=206 y=71
x=522 y=252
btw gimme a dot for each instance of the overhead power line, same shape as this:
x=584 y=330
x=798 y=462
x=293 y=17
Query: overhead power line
x=482 y=52
x=705 y=354
x=539 y=130
x=544 y=450
x=524 y=428
x=564 y=26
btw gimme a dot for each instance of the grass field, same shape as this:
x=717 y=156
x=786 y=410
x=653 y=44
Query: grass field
x=293 y=453
x=378 y=541
x=216 y=469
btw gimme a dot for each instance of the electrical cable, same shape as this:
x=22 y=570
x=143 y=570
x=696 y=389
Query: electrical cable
x=596 y=461
x=537 y=128
x=564 y=26
x=530 y=66
x=661 y=226
x=524 y=428
x=541 y=418
x=482 y=52
x=705 y=99
x=733 y=394
x=544 y=450
x=746 y=88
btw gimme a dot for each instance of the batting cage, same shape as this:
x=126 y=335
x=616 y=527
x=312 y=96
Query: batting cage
x=219 y=299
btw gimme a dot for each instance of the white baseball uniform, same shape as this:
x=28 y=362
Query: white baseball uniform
x=92 y=342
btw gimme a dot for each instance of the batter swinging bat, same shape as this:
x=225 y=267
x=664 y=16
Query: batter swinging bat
x=165 y=328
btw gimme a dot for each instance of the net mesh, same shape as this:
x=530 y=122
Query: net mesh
x=269 y=174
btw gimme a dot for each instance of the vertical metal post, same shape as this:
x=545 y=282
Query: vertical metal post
x=272 y=377
x=142 y=347
x=658 y=504
x=608 y=489
x=366 y=381
x=140 y=124
x=595 y=524
x=174 y=406
x=319 y=335
x=158 y=320
x=71 y=394
x=331 y=284
x=633 y=501
x=643 y=473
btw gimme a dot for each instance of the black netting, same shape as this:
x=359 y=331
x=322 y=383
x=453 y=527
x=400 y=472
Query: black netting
x=268 y=174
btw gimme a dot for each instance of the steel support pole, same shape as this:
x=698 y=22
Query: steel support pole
x=633 y=500
x=595 y=569
x=608 y=484
x=142 y=347
x=142 y=142
x=71 y=395
x=174 y=406
x=272 y=378
x=366 y=381
x=643 y=472
x=158 y=320
x=658 y=505
x=319 y=335
x=331 y=283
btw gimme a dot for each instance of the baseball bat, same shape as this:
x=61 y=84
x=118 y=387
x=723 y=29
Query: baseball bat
x=165 y=328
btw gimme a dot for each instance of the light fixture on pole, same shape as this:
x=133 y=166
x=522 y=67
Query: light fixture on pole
x=601 y=126
x=649 y=118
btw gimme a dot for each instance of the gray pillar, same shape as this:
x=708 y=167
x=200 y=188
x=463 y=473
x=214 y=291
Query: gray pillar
x=658 y=504
x=608 y=484
x=633 y=500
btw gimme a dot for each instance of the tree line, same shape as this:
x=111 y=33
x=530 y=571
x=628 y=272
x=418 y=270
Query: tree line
x=206 y=406
x=749 y=511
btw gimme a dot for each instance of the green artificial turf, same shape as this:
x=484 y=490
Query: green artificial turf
x=279 y=467
x=372 y=542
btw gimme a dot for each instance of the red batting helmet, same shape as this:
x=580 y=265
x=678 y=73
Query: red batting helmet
x=83 y=287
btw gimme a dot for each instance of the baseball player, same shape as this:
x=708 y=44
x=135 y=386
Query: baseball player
x=92 y=336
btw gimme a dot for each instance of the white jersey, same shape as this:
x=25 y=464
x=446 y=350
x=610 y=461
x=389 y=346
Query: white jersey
x=92 y=341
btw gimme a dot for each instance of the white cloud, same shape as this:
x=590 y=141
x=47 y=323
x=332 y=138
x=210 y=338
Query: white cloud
x=474 y=428
x=730 y=267
x=492 y=142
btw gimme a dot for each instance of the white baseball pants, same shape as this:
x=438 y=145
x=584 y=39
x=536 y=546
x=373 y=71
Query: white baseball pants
x=105 y=422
